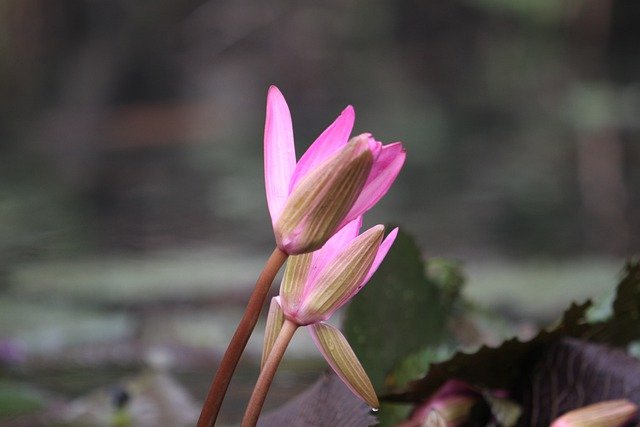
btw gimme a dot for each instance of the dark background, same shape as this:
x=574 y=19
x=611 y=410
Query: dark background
x=143 y=120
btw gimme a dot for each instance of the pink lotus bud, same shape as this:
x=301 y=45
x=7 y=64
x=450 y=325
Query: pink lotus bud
x=332 y=184
x=612 y=413
x=316 y=284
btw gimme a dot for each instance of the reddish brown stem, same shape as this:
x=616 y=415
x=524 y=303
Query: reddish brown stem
x=267 y=373
x=227 y=366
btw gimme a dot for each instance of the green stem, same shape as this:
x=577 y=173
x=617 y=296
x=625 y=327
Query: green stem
x=220 y=383
x=267 y=373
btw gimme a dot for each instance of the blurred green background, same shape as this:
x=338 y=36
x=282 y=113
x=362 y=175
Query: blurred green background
x=133 y=220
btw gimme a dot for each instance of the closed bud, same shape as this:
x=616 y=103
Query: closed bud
x=612 y=413
x=340 y=279
x=334 y=182
x=321 y=200
x=454 y=409
x=452 y=404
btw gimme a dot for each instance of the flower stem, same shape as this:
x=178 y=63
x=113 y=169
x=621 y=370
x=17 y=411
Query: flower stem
x=267 y=373
x=227 y=366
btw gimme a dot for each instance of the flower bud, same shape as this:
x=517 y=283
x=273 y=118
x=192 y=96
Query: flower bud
x=452 y=403
x=612 y=413
x=321 y=200
x=339 y=280
x=334 y=182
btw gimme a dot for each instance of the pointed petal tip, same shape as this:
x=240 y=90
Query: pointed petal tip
x=395 y=152
x=273 y=89
x=393 y=233
x=275 y=99
x=383 y=249
x=375 y=405
x=402 y=149
x=387 y=243
x=348 y=111
x=332 y=139
x=378 y=228
x=371 y=234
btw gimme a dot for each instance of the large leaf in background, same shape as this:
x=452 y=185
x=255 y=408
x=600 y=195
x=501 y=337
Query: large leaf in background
x=573 y=373
x=398 y=313
x=502 y=367
x=490 y=367
x=327 y=403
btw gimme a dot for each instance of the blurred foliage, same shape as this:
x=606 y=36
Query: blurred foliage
x=151 y=116
x=534 y=11
x=47 y=329
x=538 y=289
x=39 y=217
x=18 y=399
x=127 y=279
x=147 y=399
x=505 y=366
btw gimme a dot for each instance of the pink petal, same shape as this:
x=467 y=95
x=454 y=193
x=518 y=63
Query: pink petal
x=374 y=146
x=384 y=171
x=330 y=141
x=279 y=152
x=383 y=249
x=333 y=247
x=341 y=278
x=382 y=252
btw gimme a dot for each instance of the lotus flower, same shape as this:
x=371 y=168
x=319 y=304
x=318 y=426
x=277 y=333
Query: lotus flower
x=315 y=285
x=333 y=183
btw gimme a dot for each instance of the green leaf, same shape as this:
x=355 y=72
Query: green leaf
x=494 y=367
x=448 y=275
x=501 y=367
x=399 y=312
x=416 y=364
